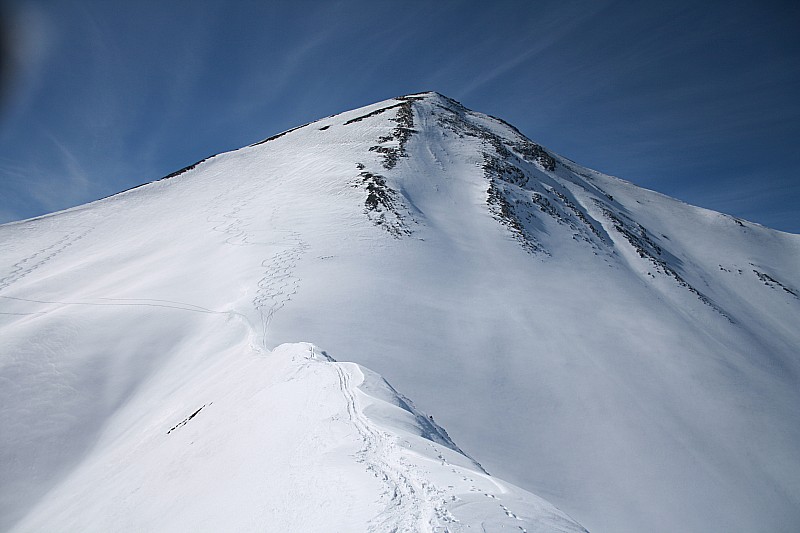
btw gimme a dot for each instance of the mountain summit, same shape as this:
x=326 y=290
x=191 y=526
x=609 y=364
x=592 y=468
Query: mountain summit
x=632 y=359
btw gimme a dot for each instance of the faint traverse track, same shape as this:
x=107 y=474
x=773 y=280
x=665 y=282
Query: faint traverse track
x=166 y=303
x=121 y=302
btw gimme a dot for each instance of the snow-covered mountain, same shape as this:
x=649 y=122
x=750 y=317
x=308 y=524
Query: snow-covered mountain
x=632 y=359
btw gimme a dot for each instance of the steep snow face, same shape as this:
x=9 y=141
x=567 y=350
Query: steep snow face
x=630 y=358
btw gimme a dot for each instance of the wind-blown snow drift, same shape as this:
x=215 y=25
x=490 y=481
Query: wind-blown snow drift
x=629 y=357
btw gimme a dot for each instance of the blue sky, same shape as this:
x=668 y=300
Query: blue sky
x=698 y=100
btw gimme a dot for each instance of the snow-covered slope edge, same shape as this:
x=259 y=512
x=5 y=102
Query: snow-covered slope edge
x=287 y=440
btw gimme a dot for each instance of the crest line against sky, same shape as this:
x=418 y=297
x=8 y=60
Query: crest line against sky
x=697 y=100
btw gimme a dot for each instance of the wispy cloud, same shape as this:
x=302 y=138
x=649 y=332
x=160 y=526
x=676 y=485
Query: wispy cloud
x=53 y=183
x=547 y=33
x=77 y=178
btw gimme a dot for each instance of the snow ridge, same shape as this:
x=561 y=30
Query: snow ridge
x=406 y=509
x=413 y=500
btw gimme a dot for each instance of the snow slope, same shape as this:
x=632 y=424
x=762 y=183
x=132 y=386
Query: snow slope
x=630 y=358
x=282 y=441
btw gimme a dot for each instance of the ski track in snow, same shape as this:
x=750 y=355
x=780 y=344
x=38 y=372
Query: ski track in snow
x=413 y=501
x=279 y=284
x=38 y=259
x=407 y=507
x=230 y=222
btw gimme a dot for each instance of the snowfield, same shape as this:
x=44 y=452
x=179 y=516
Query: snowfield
x=632 y=359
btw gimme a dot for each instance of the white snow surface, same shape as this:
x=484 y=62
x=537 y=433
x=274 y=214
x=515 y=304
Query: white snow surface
x=286 y=441
x=628 y=357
